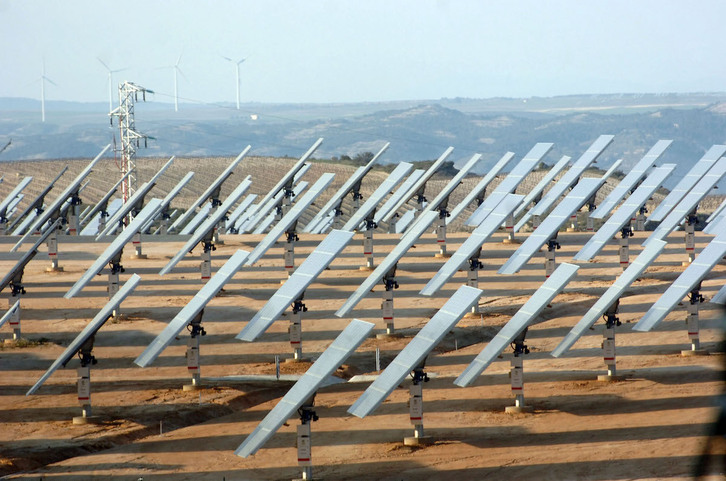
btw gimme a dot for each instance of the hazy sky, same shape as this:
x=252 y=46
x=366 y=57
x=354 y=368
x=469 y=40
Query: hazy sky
x=349 y=51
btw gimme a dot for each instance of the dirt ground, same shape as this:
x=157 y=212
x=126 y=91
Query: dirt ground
x=649 y=426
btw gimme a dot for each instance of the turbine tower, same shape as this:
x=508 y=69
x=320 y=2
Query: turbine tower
x=236 y=64
x=43 y=80
x=110 y=81
x=177 y=70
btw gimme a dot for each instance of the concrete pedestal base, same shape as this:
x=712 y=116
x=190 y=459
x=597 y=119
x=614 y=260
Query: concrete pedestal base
x=385 y=335
x=609 y=378
x=79 y=420
x=686 y=263
x=365 y=268
x=472 y=315
x=691 y=352
x=291 y=360
x=570 y=229
x=511 y=241
x=414 y=441
x=191 y=387
x=440 y=255
x=54 y=269
x=140 y=256
x=518 y=409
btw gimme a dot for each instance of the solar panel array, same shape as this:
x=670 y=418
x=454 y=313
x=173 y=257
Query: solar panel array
x=26 y=217
x=396 y=197
x=416 y=350
x=551 y=224
x=625 y=213
x=543 y=183
x=511 y=181
x=524 y=316
x=343 y=346
x=629 y=275
x=634 y=175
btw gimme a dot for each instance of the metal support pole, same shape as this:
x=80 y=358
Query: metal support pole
x=415 y=405
x=690 y=228
x=113 y=279
x=368 y=244
x=624 y=251
x=74 y=226
x=290 y=250
x=550 y=262
x=509 y=228
x=695 y=299
x=389 y=281
x=193 y=359
x=304 y=445
x=14 y=321
x=536 y=221
x=84 y=381
x=206 y=256
x=473 y=280
x=640 y=219
x=52 y=244
x=608 y=342
x=441 y=232
x=295 y=329
x=516 y=375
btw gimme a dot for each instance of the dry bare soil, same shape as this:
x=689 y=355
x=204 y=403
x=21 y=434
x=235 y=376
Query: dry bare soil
x=649 y=426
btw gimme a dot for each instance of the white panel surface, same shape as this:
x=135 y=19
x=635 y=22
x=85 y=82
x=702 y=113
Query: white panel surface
x=343 y=346
x=9 y=313
x=543 y=183
x=634 y=270
x=416 y=350
x=34 y=204
x=27 y=257
x=524 y=316
x=396 y=197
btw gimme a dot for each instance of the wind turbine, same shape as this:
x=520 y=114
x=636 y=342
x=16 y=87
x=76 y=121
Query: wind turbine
x=176 y=83
x=236 y=64
x=43 y=79
x=110 y=82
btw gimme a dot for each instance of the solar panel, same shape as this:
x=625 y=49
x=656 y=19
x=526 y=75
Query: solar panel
x=543 y=183
x=208 y=225
x=634 y=270
x=567 y=179
x=408 y=239
x=58 y=202
x=91 y=227
x=416 y=350
x=197 y=220
x=624 y=213
x=719 y=298
x=103 y=315
x=405 y=220
x=260 y=212
x=524 y=316
x=347 y=341
x=687 y=182
x=481 y=186
x=291 y=217
x=511 y=181
x=37 y=203
x=170 y=196
x=240 y=210
x=551 y=224
x=117 y=245
x=10 y=313
x=27 y=257
x=690 y=201
x=420 y=183
x=694 y=273
x=452 y=184
x=474 y=242
x=206 y=195
x=134 y=202
x=716 y=213
x=103 y=203
x=345 y=189
x=713 y=226
x=188 y=312
x=309 y=270
x=412 y=179
x=633 y=176
x=393 y=179
x=270 y=219
x=13 y=194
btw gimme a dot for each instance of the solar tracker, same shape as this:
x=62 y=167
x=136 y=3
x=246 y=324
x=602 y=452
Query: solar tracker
x=542 y=184
x=208 y=225
x=520 y=321
x=511 y=181
x=89 y=331
x=134 y=203
x=468 y=248
x=419 y=186
x=304 y=275
x=197 y=220
x=115 y=247
x=15 y=274
x=11 y=197
x=284 y=183
x=623 y=282
x=98 y=222
x=416 y=350
x=13 y=311
x=35 y=205
x=210 y=191
x=633 y=176
x=348 y=186
x=687 y=182
x=164 y=207
x=689 y=278
x=625 y=213
x=279 y=210
x=56 y=205
x=551 y=224
x=396 y=197
x=192 y=309
x=479 y=191
x=369 y=206
x=690 y=201
x=291 y=217
x=238 y=212
x=347 y=341
x=569 y=178
x=408 y=239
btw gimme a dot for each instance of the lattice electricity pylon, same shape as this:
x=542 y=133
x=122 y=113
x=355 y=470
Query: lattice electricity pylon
x=128 y=94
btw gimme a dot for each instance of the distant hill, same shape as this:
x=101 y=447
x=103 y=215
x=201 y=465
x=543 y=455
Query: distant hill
x=417 y=130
